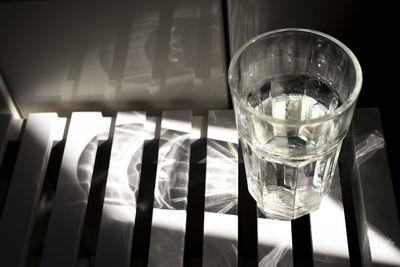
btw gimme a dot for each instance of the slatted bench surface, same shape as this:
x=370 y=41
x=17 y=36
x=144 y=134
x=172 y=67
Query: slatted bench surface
x=137 y=190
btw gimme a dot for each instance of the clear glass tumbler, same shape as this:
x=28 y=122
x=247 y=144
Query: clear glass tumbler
x=294 y=93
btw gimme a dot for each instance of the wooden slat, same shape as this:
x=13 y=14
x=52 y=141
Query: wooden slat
x=68 y=212
x=221 y=193
x=328 y=230
x=170 y=193
x=16 y=226
x=120 y=201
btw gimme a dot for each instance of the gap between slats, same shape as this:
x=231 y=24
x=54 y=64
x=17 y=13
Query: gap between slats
x=145 y=200
x=247 y=213
x=10 y=140
x=91 y=226
x=7 y=169
x=42 y=212
x=193 y=251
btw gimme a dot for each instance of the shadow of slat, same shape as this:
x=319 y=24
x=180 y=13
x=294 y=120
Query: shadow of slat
x=92 y=221
x=45 y=203
x=247 y=213
x=195 y=208
x=163 y=38
x=121 y=45
x=144 y=212
x=203 y=67
x=302 y=242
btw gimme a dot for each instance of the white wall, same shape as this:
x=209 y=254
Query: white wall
x=114 y=55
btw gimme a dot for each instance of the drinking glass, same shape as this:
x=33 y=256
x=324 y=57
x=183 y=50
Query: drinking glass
x=294 y=93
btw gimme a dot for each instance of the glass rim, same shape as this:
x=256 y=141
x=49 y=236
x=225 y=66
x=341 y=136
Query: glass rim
x=346 y=105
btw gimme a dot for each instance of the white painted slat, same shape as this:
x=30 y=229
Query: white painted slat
x=16 y=226
x=221 y=193
x=328 y=230
x=66 y=220
x=171 y=187
x=383 y=227
x=274 y=243
x=9 y=131
x=119 y=208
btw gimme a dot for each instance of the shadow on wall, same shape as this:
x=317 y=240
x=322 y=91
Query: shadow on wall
x=97 y=55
